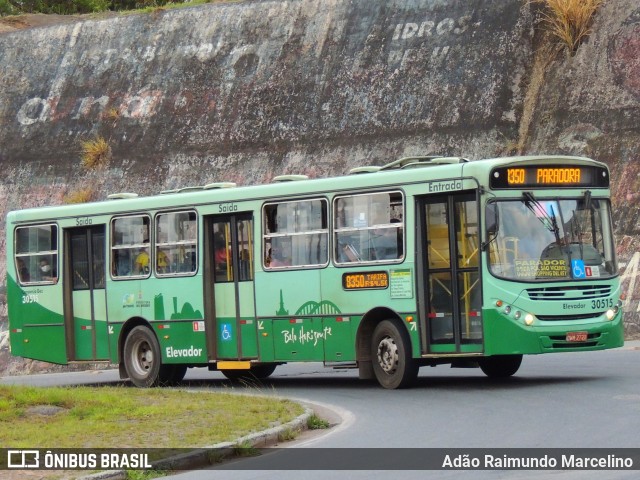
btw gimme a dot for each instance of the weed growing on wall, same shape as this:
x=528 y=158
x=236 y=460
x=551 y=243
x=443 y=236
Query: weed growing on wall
x=82 y=195
x=96 y=153
x=94 y=159
x=112 y=115
x=569 y=20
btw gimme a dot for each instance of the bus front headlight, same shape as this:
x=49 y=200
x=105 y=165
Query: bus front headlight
x=528 y=319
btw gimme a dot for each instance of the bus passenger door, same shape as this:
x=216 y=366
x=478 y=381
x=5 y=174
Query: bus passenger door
x=450 y=287
x=85 y=308
x=229 y=295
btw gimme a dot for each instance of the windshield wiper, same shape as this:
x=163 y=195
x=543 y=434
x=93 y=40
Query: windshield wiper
x=549 y=221
x=587 y=200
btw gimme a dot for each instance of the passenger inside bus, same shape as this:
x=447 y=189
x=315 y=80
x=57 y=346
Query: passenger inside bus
x=221 y=258
x=141 y=266
x=23 y=272
x=162 y=261
x=278 y=259
x=46 y=272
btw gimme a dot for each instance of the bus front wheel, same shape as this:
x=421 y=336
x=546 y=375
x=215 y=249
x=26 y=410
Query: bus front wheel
x=500 y=366
x=142 y=358
x=391 y=355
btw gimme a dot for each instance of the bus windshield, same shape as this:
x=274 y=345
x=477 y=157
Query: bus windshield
x=534 y=239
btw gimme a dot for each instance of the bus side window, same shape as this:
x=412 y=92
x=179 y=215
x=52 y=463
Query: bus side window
x=36 y=256
x=176 y=243
x=130 y=246
x=369 y=228
x=296 y=234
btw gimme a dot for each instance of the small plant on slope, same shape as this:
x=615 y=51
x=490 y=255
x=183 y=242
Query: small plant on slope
x=569 y=20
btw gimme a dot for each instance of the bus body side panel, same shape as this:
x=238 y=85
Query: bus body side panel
x=36 y=323
x=399 y=297
x=248 y=320
x=226 y=333
x=177 y=318
x=293 y=297
x=339 y=346
x=113 y=336
x=173 y=306
x=307 y=315
x=81 y=301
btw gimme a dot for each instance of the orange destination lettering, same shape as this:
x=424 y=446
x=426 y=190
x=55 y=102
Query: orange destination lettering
x=558 y=175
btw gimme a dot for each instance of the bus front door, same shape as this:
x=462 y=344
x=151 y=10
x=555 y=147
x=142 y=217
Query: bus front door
x=229 y=294
x=450 y=290
x=85 y=308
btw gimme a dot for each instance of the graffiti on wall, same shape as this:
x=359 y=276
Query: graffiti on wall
x=409 y=37
x=406 y=42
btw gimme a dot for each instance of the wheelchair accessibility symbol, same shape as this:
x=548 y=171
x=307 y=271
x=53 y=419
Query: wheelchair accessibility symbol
x=225 y=331
x=578 y=269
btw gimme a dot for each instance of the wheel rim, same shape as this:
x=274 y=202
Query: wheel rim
x=388 y=355
x=142 y=357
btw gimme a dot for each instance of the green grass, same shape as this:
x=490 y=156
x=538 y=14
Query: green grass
x=146 y=474
x=287 y=435
x=106 y=417
x=79 y=7
x=173 y=6
x=316 y=423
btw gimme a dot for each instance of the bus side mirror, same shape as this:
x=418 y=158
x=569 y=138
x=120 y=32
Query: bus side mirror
x=491 y=219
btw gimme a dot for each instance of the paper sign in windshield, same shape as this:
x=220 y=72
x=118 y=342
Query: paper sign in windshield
x=556 y=268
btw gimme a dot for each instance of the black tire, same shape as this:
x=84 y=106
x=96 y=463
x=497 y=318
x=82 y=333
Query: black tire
x=500 y=366
x=256 y=372
x=171 y=374
x=142 y=359
x=391 y=356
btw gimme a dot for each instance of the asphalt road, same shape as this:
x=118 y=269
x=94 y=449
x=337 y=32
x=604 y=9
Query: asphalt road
x=570 y=400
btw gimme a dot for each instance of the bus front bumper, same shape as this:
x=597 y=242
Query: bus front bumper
x=505 y=336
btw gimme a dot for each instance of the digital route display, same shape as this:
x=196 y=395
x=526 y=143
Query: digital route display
x=535 y=176
x=365 y=280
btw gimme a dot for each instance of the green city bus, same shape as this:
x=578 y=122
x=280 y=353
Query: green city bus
x=423 y=261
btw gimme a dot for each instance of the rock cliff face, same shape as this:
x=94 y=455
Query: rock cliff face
x=590 y=105
x=246 y=91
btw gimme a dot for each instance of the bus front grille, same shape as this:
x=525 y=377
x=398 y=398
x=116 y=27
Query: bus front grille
x=560 y=318
x=582 y=292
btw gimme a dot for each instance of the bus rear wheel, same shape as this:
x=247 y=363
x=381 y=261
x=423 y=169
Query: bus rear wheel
x=500 y=366
x=256 y=372
x=391 y=355
x=142 y=359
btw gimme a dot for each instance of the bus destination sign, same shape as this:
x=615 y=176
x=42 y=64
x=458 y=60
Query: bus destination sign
x=539 y=176
x=365 y=280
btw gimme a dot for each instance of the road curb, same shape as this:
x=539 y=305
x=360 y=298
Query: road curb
x=214 y=454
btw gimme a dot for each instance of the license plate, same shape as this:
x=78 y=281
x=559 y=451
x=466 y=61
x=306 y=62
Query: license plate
x=577 y=337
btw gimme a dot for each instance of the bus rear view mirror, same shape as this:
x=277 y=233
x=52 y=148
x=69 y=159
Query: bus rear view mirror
x=491 y=219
